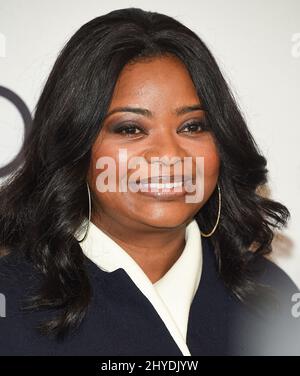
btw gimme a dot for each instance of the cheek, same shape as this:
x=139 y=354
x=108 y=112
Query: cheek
x=211 y=169
x=116 y=199
x=97 y=153
x=211 y=159
x=211 y=164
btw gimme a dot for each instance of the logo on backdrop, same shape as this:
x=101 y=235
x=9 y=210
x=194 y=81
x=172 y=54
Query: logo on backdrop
x=2 y=305
x=27 y=121
x=296 y=306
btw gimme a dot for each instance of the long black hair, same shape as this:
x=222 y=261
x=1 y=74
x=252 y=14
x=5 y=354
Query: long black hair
x=45 y=201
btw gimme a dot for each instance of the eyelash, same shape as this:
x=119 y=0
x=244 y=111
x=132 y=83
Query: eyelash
x=133 y=126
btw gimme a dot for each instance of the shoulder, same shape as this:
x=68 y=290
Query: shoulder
x=271 y=274
x=18 y=279
x=277 y=330
x=263 y=270
x=266 y=324
x=15 y=271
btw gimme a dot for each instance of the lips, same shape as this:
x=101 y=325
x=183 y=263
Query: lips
x=164 y=179
x=163 y=187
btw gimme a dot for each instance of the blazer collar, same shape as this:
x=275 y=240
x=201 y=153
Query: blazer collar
x=173 y=294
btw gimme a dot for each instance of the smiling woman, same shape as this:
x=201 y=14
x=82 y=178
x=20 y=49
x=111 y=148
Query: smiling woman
x=93 y=271
x=146 y=101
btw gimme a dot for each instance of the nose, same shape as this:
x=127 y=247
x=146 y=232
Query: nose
x=164 y=154
x=165 y=147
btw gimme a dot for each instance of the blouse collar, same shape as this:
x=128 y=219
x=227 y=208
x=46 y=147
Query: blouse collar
x=172 y=295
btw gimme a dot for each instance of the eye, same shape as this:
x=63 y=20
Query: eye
x=128 y=130
x=194 y=127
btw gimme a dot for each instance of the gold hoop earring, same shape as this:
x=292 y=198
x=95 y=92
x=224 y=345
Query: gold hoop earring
x=89 y=214
x=218 y=218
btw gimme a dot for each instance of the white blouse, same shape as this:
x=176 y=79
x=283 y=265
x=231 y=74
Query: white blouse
x=172 y=295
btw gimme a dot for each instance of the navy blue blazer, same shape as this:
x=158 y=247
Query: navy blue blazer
x=121 y=320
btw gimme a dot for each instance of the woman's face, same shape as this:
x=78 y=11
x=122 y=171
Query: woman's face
x=161 y=86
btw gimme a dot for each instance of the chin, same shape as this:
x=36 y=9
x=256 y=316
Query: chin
x=165 y=221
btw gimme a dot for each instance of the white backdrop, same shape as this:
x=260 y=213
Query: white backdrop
x=257 y=44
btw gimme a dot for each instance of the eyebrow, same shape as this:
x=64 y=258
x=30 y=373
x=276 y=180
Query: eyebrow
x=145 y=112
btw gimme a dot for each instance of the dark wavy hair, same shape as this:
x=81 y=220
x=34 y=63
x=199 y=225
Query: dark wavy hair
x=45 y=201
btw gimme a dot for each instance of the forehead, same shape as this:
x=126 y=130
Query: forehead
x=165 y=78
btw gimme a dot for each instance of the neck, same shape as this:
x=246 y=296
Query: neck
x=154 y=249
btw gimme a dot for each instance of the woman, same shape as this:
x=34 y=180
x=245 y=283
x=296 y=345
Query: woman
x=91 y=268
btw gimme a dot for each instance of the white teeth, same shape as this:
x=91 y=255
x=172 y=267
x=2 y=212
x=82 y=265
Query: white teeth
x=162 y=186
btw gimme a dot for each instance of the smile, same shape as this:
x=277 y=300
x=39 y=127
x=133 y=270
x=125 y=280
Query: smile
x=160 y=186
x=162 y=191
